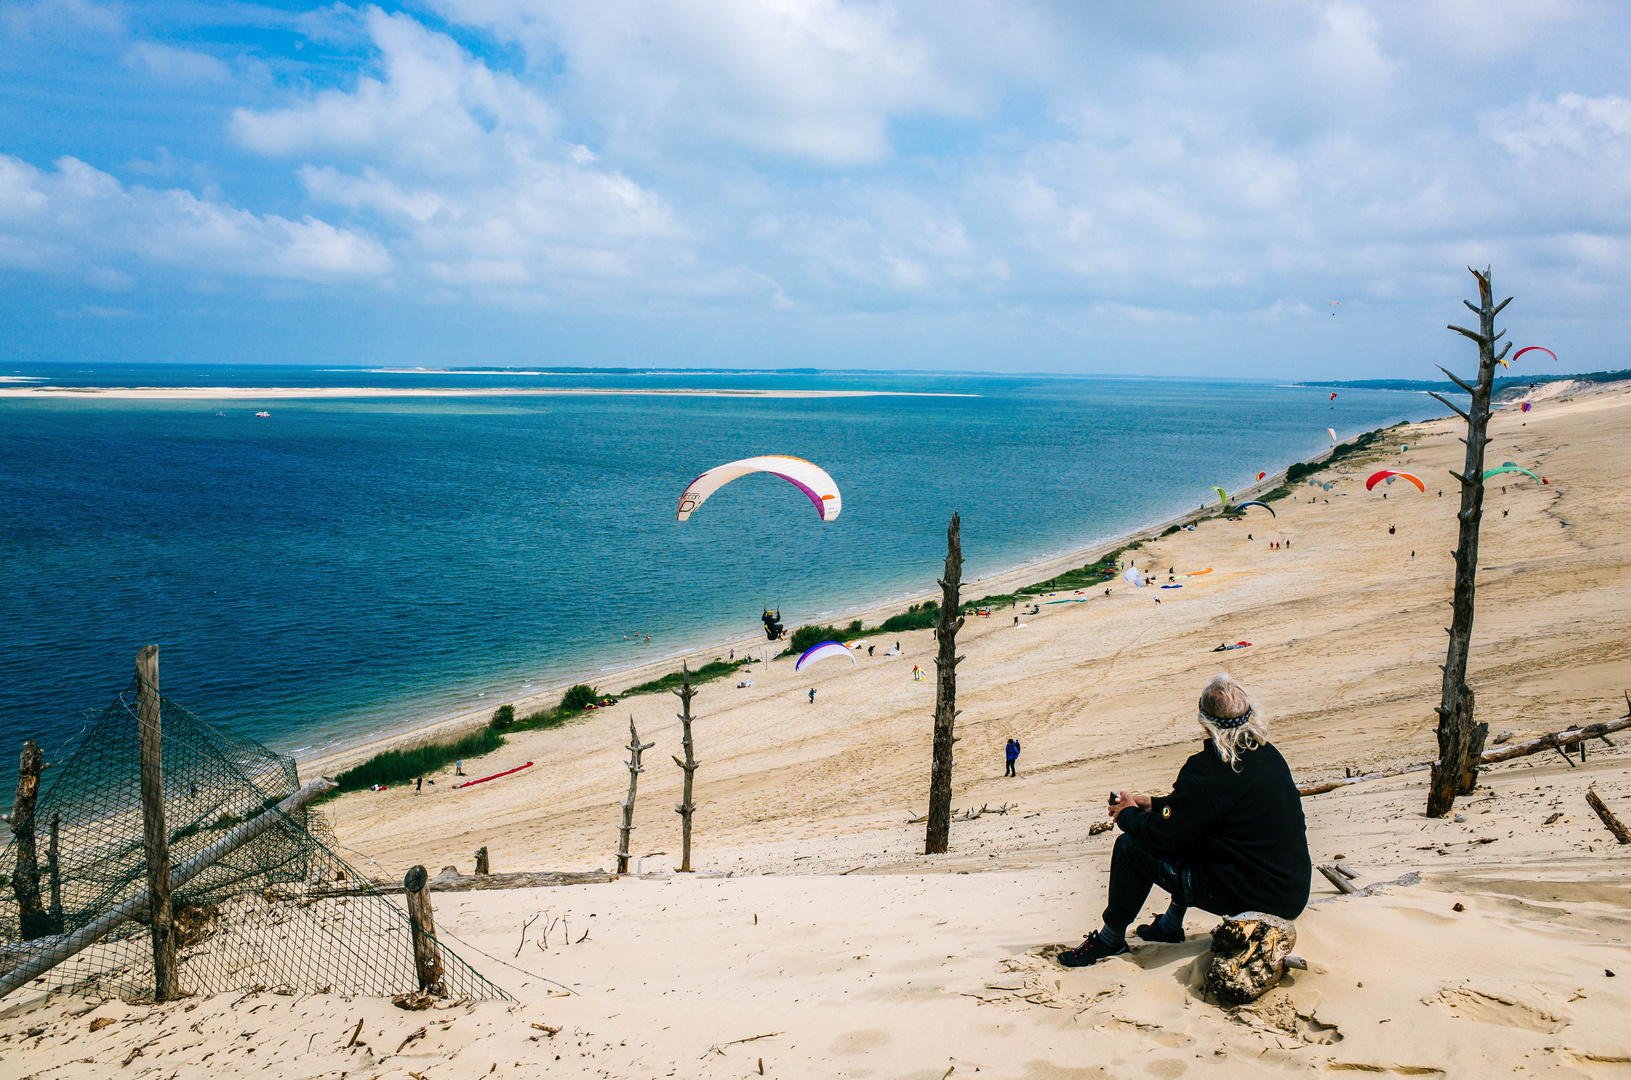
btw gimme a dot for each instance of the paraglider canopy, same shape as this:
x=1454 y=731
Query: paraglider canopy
x=807 y=477
x=1534 y=348
x=1509 y=467
x=1333 y=396
x=1332 y=432
x=1256 y=502
x=1260 y=476
x=1223 y=496
x=825 y=651
x=1134 y=576
x=1526 y=406
x=1389 y=474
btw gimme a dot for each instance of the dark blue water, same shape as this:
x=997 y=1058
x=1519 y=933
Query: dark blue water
x=349 y=566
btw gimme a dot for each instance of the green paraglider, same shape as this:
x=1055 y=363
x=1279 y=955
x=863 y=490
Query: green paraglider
x=1509 y=467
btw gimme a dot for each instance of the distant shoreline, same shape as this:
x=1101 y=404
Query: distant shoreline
x=294 y=393
x=333 y=759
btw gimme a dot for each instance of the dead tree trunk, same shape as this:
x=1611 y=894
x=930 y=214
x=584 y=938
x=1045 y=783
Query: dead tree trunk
x=155 y=838
x=25 y=880
x=427 y=955
x=1460 y=740
x=945 y=696
x=636 y=748
x=686 y=807
x=483 y=866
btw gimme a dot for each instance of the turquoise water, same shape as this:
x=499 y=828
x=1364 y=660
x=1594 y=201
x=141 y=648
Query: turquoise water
x=353 y=566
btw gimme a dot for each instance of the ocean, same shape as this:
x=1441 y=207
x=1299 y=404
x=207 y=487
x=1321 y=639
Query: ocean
x=349 y=567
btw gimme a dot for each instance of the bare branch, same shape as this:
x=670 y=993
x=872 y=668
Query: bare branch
x=1479 y=338
x=1501 y=305
x=1452 y=408
x=1454 y=378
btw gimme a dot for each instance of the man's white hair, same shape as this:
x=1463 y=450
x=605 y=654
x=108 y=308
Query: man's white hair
x=1223 y=699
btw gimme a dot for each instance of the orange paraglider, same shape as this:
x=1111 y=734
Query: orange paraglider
x=1377 y=478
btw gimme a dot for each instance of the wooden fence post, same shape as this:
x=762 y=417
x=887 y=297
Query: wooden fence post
x=427 y=955
x=482 y=866
x=686 y=807
x=53 y=870
x=636 y=748
x=32 y=919
x=155 y=838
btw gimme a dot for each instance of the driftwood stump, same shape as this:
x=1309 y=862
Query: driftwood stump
x=1460 y=739
x=1249 y=956
x=427 y=954
x=938 y=838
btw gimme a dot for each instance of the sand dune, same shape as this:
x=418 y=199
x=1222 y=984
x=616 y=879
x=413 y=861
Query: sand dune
x=816 y=923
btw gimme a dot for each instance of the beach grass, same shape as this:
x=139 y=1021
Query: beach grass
x=713 y=669
x=575 y=702
x=402 y=766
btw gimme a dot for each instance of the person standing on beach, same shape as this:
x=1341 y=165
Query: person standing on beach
x=1013 y=756
x=418 y=784
x=812 y=695
x=1230 y=838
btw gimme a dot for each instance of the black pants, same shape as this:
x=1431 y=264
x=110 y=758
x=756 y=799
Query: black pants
x=1133 y=869
x=1010 y=771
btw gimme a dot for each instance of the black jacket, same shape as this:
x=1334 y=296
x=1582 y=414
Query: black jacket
x=1242 y=832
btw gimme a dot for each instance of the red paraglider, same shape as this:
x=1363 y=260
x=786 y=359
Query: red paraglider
x=1534 y=348
x=1526 y=406
x=1377 y=478
x=1261 y=475
x=1333 y=395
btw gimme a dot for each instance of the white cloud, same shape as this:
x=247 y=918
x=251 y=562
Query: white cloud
x=176 y=65
x=79 y=218
x=810 y=79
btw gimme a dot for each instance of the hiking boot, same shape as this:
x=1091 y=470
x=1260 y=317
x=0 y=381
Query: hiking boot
x=1090 y=951
x=1151 y=931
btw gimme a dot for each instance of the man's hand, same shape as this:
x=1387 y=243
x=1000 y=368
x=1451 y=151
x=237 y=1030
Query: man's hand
x=1125 y=799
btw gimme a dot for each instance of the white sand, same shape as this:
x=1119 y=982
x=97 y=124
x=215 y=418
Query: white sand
x=910 y=966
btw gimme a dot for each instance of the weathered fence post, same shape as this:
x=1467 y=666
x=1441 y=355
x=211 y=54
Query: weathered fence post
x=25 y=882
x=636 y=748
x=686 y=807
x=945 y=697
x=1460 y=740
x=482 y=866
x=427 y=955
x=155 y=838
x=53 y=871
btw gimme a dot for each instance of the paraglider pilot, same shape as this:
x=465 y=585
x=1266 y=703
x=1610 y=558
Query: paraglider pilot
x=1012 y=751
x=773 y=624
x=1230 y=838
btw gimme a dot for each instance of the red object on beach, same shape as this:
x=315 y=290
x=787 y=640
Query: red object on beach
x=495 y=776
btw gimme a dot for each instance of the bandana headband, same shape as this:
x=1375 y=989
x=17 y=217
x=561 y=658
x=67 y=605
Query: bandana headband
x=1228 y=724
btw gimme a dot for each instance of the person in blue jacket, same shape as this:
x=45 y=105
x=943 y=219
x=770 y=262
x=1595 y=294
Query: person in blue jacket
x=1229 y=839
x=1013 y=756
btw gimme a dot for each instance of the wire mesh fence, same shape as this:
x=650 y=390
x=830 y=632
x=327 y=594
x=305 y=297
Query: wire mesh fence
x=283 y=912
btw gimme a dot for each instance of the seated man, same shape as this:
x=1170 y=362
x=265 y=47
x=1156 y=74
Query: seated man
x=1230 y=838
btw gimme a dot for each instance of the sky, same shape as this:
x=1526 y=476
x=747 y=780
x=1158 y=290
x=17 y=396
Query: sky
x=1165 y=189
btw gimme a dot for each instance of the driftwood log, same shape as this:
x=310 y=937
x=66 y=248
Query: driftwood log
x=686 y=807
x=938 y=830
x=1249 y=954
x=1613 y=823
x=1460 y=739
x=1562 y=740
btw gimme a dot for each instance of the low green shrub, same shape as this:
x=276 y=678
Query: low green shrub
x=401 y=766
x=503 y=717
x=713 y=669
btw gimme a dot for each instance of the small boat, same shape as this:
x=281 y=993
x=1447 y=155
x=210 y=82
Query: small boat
x=263 y=414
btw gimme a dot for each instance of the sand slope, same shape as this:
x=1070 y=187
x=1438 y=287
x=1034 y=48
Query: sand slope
x=817 y=924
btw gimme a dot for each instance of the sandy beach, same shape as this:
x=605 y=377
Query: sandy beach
x=816 y=940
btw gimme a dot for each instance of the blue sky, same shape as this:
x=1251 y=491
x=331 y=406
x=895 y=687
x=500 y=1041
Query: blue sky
x=995 y=186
